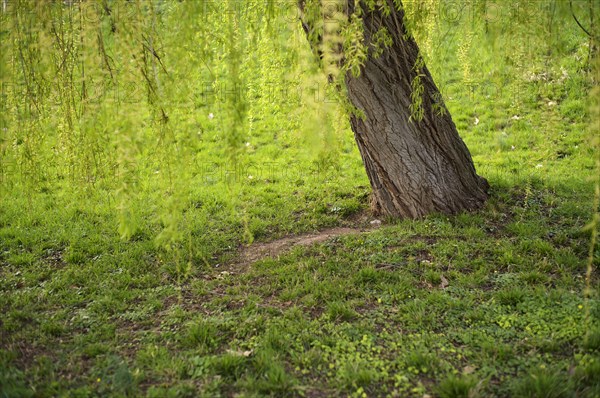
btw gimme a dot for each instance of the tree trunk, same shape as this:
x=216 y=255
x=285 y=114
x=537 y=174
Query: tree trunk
x=415 y=167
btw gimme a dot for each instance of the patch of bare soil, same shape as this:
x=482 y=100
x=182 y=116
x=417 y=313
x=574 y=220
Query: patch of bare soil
x=248 y=255
x=257 y=251
x=275 y=248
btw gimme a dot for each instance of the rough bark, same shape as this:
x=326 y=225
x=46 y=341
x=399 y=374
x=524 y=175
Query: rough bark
x=415 y=167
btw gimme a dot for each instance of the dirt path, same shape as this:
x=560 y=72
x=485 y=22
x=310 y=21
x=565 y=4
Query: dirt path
x=258 y=251
x=248 y=255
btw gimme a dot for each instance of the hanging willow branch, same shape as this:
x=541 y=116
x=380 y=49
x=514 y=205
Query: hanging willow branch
x=579 y=23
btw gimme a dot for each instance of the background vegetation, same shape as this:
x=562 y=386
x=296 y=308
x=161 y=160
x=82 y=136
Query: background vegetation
x=143 y=143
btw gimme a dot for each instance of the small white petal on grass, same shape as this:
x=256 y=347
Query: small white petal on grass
x=239 y=353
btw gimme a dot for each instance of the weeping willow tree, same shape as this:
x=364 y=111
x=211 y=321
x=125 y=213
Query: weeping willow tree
x=81 y=74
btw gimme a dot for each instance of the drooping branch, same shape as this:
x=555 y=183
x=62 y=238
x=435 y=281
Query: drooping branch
x=579 y=23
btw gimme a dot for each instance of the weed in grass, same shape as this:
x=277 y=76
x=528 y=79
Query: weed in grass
x=275 y=339
x=201 y=334
x=95 y=349
x=534 y=278
x=421 y=361
x=592 y=339
x=153 y=358
x=543 y=383
x=432 y=277
x=230 y=366
x=340 y=312
x=52 y=328
x=115 y=378
x=123 y=381
x=586 y=376
x=510 y=296
x=14 y=385
x=269 y=376
x=356 y=374
x=367 y=276
x=459 y=387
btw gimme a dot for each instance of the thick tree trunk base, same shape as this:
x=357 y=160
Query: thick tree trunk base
x=415 y=167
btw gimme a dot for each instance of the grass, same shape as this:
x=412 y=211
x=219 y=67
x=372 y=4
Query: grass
x=87 y=314
x=488 y=303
